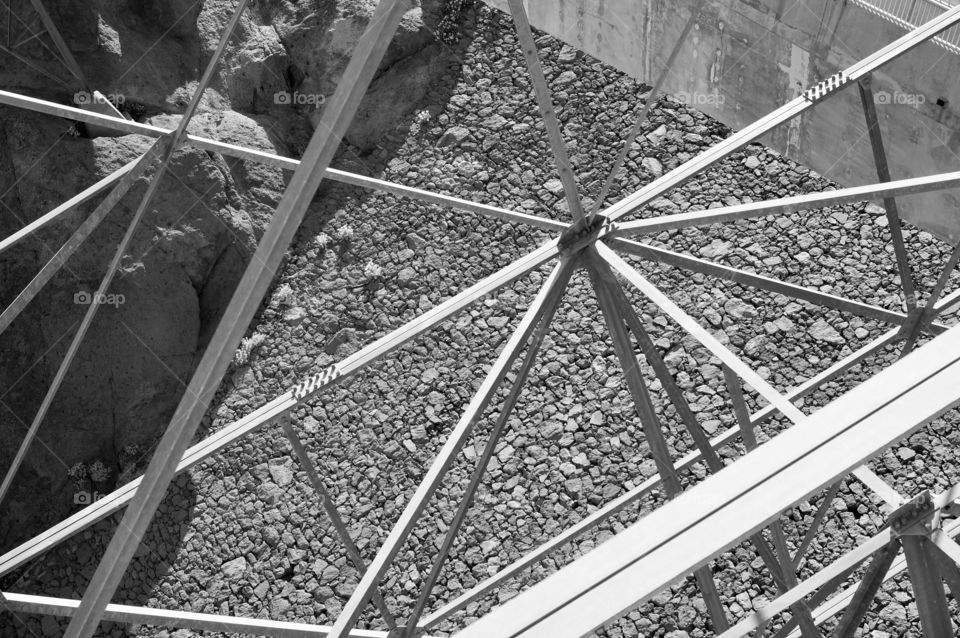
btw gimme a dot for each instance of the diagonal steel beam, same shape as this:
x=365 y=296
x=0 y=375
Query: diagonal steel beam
x=326 y=502
x=784 y=205
x=780 y=564
x=747 y=278
x=652 y=355
x=466 y=499
x=947 y=560
x=927 y=587
x=241 y=309
x=68 y=59
x=82 y=233
x=867 y=590
x=823 y=583
x=808 y=628
x=445 y=458
x=649 y=422
x=815 y=524
x=66 y=207
x=729 y=359
x=930 y=310
x=618 y=504
x=700 y=334
x=678 y=46
x=544 y=100
x=740 y=409
x=784 y=114
x=889 y=203
x=179 y=619
x=284 y=403
x=643 y=404
x=170 y=145
x=270 y=159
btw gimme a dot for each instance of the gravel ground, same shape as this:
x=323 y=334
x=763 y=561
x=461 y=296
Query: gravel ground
x=244 y=534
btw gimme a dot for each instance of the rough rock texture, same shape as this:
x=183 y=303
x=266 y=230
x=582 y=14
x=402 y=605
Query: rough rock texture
x=203 y=225
x=244 y=534
x=176 y=277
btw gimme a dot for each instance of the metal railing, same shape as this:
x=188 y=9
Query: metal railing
x=911 y=13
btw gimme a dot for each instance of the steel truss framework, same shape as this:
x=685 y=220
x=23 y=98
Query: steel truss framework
x=733 y=505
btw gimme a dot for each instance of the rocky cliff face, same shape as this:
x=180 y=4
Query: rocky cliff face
x=194 y=243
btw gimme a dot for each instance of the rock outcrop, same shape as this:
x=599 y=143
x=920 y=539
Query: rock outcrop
x=202 y=227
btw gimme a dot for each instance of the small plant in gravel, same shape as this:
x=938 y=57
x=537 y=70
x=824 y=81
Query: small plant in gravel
x=322 y=241
x=246 y=347
x=282 y=297
x=345 y=233
x=422 y=118
x=79 y=473
x=99 y=472
x=451 y=15
x=373 y=271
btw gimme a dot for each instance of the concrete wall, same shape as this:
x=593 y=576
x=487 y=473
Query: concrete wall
x=744 y=58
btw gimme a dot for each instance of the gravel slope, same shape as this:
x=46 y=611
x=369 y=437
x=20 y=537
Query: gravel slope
x=244 y=533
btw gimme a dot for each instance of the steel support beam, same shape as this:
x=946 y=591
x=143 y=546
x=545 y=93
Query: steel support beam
x=660 y=369
x=445 y=458
x=815 y=524
x=601 y=278
x=68 y=60
x=867 y=590
x=929 y=311
x=927 y=587
x=728 y=507
x=784 y=205
x=67 y=207
x=780 y=116
x=179 y=619
x=466 y=499
x=542 y=92
x=678 y=46
x=618 y=504
x=700 y=334
x=330 y=509
x=643 y=404
x=241 y=309
x=779 y=565
x=746 y=278
x=889 y=203
x=278 y=161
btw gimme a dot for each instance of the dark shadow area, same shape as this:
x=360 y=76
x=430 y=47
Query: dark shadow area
x=65 y=570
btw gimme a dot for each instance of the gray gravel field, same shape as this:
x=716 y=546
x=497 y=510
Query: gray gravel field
x=244 y=534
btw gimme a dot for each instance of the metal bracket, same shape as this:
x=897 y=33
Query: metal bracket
x=580 y=234
x=918 y=517
x=308 y=386
x=826 y=87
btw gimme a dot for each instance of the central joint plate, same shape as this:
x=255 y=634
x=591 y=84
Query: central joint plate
x=917 y=517
x=580 y=234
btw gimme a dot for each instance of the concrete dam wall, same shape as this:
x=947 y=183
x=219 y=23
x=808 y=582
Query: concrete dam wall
x=745 y=58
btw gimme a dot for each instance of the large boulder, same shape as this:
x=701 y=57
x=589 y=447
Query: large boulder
x=181 y=268
x=284 y=60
